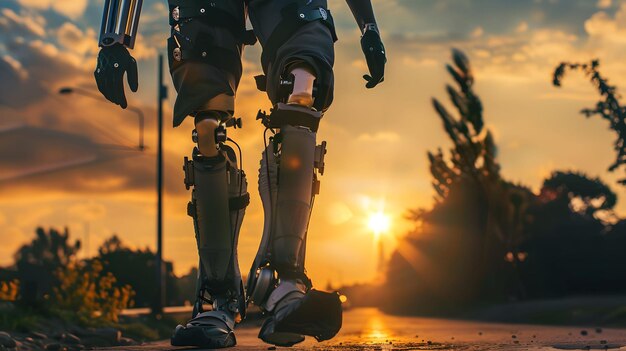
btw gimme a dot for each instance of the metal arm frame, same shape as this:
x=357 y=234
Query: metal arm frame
x=120 y=20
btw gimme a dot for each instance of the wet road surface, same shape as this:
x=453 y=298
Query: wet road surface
x=369 y=329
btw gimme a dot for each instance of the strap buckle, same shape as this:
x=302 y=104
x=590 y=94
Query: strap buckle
x=189 y=173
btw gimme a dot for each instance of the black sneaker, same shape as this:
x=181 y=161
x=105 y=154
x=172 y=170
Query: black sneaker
x=212 y=330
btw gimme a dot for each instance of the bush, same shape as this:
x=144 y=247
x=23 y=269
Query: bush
x=9 y=290
x=90 y=294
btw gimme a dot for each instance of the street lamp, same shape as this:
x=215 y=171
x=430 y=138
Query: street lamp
x=159 y=301
x=84 y=92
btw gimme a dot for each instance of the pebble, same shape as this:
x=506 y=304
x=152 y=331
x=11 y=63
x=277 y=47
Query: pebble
x=36 y=335
x=71 y=339
x=514 y=336
x=6 y=340
x=599 y=330
x=583 y=333
x=111 y=334
x=126 y=341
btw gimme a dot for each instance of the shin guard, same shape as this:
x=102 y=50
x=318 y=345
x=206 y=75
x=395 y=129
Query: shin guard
x=287 y=183
x=294 y=200
x=219 y=198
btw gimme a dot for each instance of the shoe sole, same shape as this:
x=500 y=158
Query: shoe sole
x=196 y=337
x=278 y=338
x=319 y=315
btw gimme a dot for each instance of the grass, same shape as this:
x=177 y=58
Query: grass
x=24 y=319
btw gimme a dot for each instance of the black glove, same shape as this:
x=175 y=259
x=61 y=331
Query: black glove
x=374 y=51
x=113 y=62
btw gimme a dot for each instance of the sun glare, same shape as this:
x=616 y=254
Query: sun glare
x=379 y=222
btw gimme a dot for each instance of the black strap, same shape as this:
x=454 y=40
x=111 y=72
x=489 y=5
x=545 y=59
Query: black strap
x=261 y=82
x=203 y=49
x=213 y=12
x=284 y=114
x=293 y=19
x=239 y=202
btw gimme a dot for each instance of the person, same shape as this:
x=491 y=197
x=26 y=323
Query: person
x=204 y=51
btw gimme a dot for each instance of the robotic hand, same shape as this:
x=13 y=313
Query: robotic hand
x=113 y=62
x=374 y=51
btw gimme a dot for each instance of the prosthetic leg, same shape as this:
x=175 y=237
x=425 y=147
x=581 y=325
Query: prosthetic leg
x=219 y=199
x=288 y=183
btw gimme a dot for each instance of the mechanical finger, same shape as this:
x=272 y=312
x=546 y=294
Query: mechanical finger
x=132 y=75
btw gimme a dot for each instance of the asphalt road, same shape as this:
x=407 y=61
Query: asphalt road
x=369 y=329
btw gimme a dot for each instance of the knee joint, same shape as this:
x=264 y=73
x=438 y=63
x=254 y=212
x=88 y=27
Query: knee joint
x=206 y=130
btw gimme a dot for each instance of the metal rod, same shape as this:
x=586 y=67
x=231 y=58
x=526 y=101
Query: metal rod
x=160 y=295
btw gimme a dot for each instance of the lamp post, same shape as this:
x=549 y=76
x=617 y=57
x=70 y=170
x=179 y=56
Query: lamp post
x=157 y=309
x=137 y=111
x=159 y=300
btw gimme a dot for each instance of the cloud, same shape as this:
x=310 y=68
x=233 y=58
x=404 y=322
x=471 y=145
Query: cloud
x=36 y=67
x=477 y=32
x=73 y=39
x=381 y=136
x=69 y=8
x=606 y=29
x=87 y=211
x=24 y=24
x=522 y=27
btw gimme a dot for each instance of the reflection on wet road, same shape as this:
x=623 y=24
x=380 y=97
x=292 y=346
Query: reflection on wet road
x=369 y=329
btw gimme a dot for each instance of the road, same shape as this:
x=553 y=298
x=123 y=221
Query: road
x=369 y=329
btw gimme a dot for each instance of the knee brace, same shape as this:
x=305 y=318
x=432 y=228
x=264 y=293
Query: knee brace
x=217 y=206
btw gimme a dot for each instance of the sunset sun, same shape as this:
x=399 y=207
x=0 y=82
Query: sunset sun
x=379 y=222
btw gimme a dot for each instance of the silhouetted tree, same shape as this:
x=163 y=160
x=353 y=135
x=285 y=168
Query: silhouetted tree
x=136 y=268
x=486 y=239
x=460 y=246
x=586 y=195
x=572 y=246
x=37 y=261
x=608 y=108
x=50 y=249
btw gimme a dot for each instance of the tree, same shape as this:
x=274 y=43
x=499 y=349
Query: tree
x=38 y=260
x=609 y=107
x=486 y=239
x=51 y=249
x=585 y=195
x=457 y=251
x=136 y=268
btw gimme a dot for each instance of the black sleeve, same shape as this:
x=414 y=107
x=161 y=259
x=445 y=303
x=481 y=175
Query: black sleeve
x=363 y=12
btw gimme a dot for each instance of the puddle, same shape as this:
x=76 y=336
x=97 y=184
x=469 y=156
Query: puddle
x=589 y=346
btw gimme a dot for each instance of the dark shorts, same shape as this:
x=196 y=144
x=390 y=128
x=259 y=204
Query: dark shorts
x=199 y=79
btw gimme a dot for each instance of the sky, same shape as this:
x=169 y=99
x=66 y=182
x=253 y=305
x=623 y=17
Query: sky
x=377 y=139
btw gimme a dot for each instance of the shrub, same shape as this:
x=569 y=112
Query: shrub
x=90 y=294
x=9 y=290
